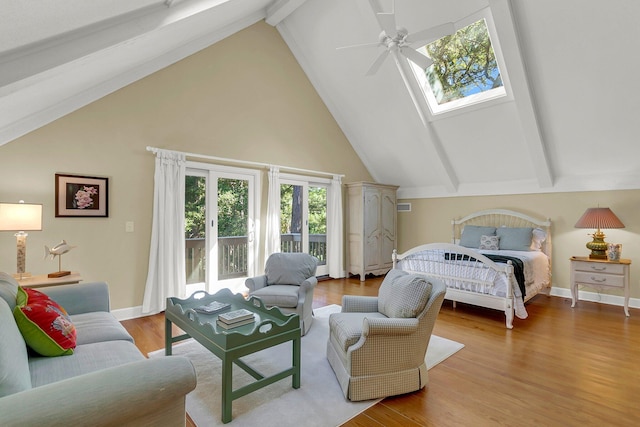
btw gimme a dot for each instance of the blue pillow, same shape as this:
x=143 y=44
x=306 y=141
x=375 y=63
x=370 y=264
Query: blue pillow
x=515 y=238
x=471 y=235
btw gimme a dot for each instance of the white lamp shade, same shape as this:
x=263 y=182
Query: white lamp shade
x=20 y=217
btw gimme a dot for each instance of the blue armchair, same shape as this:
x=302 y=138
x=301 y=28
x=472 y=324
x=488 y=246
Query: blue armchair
x=288 y=284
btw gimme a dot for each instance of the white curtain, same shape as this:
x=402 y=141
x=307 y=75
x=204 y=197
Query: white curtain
x=272 y=231
x=166 y=274
x=334 y=226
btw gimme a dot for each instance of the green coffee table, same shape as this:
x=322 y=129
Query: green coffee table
x=271 y=328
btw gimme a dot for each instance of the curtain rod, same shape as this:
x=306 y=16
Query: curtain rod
x=155 y=150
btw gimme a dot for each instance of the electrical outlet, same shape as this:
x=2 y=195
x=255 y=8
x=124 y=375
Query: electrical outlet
x=128 y=226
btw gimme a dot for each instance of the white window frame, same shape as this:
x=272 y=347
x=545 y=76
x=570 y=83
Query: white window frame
x=475 y=101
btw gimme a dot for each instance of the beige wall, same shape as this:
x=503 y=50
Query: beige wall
x=430 y=219
x=244 y=98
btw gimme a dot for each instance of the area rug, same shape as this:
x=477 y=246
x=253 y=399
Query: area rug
x=318 y=402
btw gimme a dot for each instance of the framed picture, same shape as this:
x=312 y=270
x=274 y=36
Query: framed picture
x=82 y=196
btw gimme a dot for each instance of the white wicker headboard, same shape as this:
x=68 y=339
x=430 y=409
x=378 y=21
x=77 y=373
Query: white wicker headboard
x=502 y=218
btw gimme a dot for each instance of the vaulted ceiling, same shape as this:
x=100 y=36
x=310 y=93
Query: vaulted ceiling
x=567 y=124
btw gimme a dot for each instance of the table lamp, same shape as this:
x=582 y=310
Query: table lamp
x=21 y=217
x=598 y=218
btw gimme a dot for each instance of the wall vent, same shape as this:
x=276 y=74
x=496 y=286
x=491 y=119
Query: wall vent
x=404 y=207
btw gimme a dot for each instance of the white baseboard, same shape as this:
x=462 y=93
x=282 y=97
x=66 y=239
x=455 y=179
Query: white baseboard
x=595 y=297
x=127 y=313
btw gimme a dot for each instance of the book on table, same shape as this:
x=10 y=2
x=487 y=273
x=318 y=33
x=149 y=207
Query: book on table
x=235 y=316
x=212 y=308
x=235 y=324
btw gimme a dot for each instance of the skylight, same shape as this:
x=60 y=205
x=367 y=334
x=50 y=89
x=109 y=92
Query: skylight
x=465 y=71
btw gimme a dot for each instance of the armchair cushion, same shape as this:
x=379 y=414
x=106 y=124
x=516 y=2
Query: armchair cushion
x=278 y=295
x=348 y=327
x=403 y=294
x=289 y=268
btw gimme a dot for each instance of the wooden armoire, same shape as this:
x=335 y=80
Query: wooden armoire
x=371 y=227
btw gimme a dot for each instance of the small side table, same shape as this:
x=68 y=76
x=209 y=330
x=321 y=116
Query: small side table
x=600 y=274
x=42 y=280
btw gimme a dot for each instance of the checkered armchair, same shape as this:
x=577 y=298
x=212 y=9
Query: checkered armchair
x=377 y=345
x=288 y=284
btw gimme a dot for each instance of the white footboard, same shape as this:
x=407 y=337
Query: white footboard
x=470 y=277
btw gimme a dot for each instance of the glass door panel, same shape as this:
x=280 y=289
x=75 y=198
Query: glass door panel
x=233 y=228
x=318 y=224
x=195 y=229
x=291 y=218
x=303 y=220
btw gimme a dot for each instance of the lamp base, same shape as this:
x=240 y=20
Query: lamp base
x=57 y=274
x=20 y=276
x=598 y=246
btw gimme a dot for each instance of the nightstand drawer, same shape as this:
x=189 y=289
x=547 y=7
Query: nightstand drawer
x=599 y=267
x=599 y=279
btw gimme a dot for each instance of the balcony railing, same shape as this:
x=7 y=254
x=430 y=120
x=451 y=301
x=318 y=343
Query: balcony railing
x=232 y=254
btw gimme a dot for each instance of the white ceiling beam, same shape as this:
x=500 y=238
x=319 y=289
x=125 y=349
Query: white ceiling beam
x=447 y=174
x=29 y=102
x=505 y=26
x=280 y=9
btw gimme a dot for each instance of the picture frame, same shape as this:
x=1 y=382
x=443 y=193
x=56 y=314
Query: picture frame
x=81 y=196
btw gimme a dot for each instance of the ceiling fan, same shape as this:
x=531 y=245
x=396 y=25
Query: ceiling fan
x=397 y=40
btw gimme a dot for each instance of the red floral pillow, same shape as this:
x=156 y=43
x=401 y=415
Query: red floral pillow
x=44 y=324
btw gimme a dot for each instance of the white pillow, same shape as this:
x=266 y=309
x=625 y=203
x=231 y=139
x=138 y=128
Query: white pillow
x=489 y=243
x=537 y=239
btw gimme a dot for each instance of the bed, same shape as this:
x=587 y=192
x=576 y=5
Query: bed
x=498 y=259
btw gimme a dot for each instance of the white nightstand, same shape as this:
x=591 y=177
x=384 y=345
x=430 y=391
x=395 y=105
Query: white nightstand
x=600 y=274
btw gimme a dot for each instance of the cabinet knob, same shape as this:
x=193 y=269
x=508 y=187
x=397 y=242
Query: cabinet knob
x=598 y=268
x=599 y=280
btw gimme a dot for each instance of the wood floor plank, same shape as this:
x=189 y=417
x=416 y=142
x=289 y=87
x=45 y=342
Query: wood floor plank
x=561 y=366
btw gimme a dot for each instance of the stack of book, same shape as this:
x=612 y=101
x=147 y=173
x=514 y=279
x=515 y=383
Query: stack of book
x=235 y=318
x=212 y=308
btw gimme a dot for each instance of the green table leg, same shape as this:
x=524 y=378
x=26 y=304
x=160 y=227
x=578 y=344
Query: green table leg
x=296 y=362
x=167 y=337
x=227 y=388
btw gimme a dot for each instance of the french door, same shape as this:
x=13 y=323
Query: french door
x=303 y=219
x=220 y=226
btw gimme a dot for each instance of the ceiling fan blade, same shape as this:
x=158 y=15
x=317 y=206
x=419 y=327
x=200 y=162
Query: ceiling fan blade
x=377 y=63
x=416 y=57
x=387 y=22
x=353 y=46
x=430 y=34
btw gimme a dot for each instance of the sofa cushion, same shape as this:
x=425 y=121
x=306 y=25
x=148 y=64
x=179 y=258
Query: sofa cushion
x=402 y=294
x=45 y=325
x=85 y=359
x=289 y=268
x=14 y=365
x=98 y=326
x=278 y=295
x=8 y=289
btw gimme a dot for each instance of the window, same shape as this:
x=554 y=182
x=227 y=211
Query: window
x=303 y=218
x=466 y=68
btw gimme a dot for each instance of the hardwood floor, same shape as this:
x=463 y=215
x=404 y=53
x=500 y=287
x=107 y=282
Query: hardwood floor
x=559 y=367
